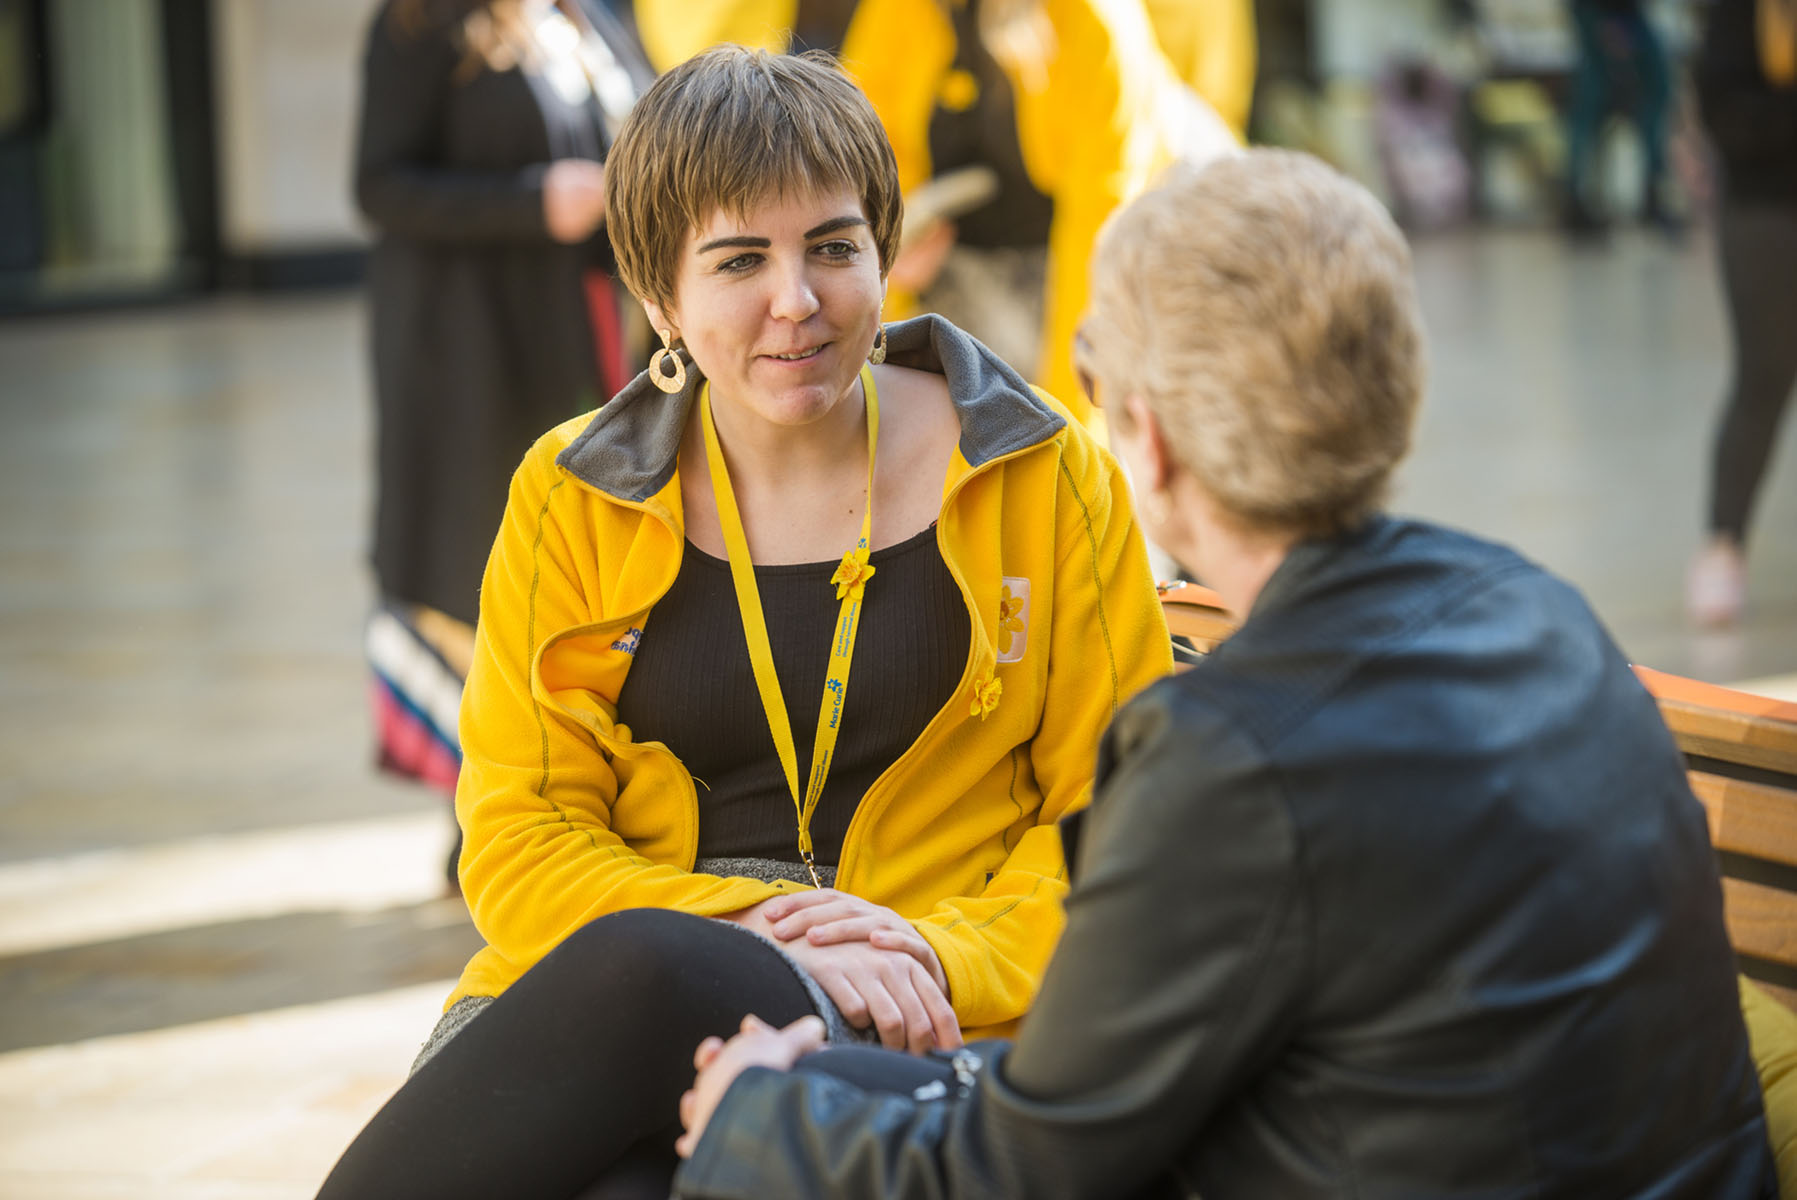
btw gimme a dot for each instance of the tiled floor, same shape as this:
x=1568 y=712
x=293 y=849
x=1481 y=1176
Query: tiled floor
x=220 y=934
x=249 y=1107
x=220 y=941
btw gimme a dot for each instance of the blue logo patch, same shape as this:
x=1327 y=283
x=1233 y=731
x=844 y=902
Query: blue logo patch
x=628 y=642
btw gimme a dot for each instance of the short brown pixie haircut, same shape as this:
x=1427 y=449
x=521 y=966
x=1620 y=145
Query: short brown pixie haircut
x=1264 y=310
x=727 y=130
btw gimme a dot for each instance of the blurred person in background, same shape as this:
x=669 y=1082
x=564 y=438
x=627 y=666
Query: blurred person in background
x=484 y=128
x=1212 y=45
x=677 y=809
x=1417 y=113
x=1065 y=108
x=1746 y=78
x=1622 y=63
x=1401 y=891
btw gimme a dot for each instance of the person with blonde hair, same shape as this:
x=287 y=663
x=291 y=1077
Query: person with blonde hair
x=677 y=809
x=1400 y=892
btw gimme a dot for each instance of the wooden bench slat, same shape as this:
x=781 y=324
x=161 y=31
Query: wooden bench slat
x=1749 y=818
x=1731 y=737
x=1722 y=723
x=1762 y=921
x=1714 y=695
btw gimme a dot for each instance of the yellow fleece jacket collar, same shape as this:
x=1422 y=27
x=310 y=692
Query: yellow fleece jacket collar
x=632 y=446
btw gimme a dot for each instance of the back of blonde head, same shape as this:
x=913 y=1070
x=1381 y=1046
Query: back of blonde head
x=1263 y=307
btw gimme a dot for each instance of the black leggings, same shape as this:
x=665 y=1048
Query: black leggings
x=568 y=1085
x=1758 y=250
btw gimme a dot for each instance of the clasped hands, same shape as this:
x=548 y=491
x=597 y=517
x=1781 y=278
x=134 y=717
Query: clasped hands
x=869 y=960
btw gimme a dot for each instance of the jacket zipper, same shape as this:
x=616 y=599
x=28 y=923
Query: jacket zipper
x=978 y=651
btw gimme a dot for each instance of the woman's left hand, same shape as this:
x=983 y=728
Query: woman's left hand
x=718 y=1063
x=826 y=917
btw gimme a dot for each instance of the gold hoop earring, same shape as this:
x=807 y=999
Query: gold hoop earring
x=877 y=355
x=658 y=372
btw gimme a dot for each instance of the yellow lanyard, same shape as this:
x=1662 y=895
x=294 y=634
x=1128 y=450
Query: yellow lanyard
x=850 y=578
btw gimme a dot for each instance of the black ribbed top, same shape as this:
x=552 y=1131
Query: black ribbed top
x=693 y=688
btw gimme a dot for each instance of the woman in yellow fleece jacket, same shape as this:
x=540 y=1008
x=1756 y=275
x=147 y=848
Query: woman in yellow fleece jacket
x=661 y=837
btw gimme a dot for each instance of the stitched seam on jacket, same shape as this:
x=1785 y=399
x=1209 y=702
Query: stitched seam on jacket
x=530 y=645
x=1104 y=626
x=1034 y=888
x=1005 y=841
x=1295 y=894
x=1306 y=901
x=530 y=639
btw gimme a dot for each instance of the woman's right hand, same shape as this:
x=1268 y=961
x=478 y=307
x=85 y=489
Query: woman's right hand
x=826 y=915
x=573 y=199
x=885 y=988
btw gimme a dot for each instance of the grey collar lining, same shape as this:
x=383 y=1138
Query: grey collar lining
x=630 y=448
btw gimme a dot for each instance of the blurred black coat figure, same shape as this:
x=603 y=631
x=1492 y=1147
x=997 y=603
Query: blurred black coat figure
x=483 y=325
x=1746 y=75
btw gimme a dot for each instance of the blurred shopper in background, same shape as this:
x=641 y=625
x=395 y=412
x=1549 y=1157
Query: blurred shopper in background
x=1622 y=64
x=666 y=827
x=1416 y=125
x=484 y=127
x=1400 y=892
x=1747 y=87
x=1071 y=107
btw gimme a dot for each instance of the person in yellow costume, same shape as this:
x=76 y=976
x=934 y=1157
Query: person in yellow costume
x=1100 y=110
x=1211 y=44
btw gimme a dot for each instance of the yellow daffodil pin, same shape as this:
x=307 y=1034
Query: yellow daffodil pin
x=985 y=696
x=852 y=574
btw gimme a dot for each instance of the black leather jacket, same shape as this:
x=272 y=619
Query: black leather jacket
x=1401 y=893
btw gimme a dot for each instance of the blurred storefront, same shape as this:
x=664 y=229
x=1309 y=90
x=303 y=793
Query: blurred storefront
x=160 y=148
x=1452 y=110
